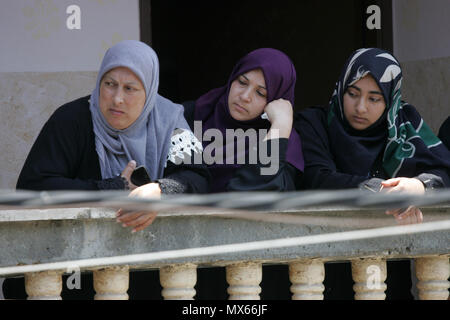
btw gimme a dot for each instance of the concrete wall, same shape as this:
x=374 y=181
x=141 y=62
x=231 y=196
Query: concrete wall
x=43 y=64
x=422 y=44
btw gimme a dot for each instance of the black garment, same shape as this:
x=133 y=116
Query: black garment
x=409 y=145
x=444 y=133
x=321 y=168
x=248 y=177
x=63 y=157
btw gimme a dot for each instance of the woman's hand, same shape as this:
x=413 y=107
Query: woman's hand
x=141 y=219
x=147 y=190
x=126 y=173
x=410 y=215
x=409 y=185
x=280 y=115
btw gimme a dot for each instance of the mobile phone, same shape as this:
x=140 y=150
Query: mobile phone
x=140 y=176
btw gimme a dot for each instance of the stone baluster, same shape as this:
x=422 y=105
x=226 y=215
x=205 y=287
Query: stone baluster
x=307 y=279
x=369 y=276
x=178 y=281
x=111 y=283
x=244 y=279
x=46 y=285
x=432 y=273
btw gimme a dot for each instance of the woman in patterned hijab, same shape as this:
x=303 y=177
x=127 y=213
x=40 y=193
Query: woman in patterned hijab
x=368 y=137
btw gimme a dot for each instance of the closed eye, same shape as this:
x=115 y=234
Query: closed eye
x=260 y=94
x=242 y=83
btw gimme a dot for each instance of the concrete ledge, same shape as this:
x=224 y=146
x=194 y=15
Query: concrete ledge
x=54 y=235
x=55 y=214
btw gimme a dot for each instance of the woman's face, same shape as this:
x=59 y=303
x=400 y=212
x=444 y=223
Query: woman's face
x=248 y=96
x=363 y=103
x=122 y=97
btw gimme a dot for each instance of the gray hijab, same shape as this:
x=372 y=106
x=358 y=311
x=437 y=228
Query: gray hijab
x=147 y=140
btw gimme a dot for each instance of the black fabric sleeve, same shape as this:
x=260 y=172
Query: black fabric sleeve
x=116 y=183
x=372 y=185
x=320 y=169
x=185 y=178
x=444 y=133
x=251 y=177
x=435 y=180
x=63 y=157
x=170 y=186
x=53 y=160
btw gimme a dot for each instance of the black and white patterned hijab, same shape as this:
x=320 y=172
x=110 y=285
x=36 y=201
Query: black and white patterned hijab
x=408 y=143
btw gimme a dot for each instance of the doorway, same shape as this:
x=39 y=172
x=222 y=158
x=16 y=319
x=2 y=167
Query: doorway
x=199 y=41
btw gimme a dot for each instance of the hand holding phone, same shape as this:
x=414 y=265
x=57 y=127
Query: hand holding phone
x=140 y=176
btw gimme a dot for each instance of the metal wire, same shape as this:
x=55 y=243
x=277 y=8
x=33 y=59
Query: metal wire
x=231 y=200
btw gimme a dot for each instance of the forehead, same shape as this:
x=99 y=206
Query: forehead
x=367 y=83
x=122 y=74
x=256 y=76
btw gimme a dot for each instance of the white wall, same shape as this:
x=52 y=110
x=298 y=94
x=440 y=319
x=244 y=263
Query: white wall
x=421 y=29
x=34 y=36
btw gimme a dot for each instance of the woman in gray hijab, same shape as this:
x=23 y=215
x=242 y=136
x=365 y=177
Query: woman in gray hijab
x=96 y=142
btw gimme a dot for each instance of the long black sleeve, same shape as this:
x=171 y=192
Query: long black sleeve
x=185 y=178
x=251 y=177
x=320 y=168
x=61 y=157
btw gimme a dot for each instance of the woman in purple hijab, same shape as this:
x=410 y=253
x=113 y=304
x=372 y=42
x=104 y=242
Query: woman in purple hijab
x=246 y=126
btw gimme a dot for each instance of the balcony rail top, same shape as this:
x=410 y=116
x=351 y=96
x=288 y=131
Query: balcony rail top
x=215 y=233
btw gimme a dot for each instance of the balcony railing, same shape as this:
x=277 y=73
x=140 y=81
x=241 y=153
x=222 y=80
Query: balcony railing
x=44 y=244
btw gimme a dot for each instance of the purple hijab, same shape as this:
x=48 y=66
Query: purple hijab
x=212 y=108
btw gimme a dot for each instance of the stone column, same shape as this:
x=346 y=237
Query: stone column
x=433 y=273
x=307 y=279
x=244 y=279
x=111 y=283
x=46 y=285
x=369 y=276
x=178 y=281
